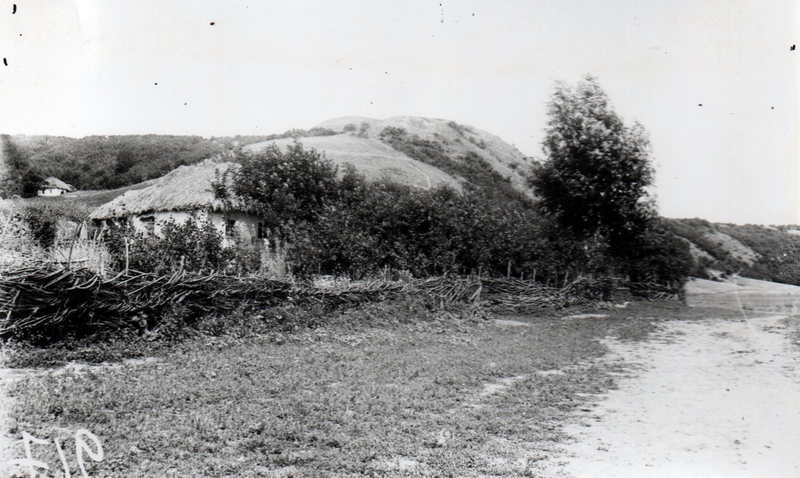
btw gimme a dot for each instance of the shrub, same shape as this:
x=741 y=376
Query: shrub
x=43 y=219
x=480 y=177
x=189 y=246
x=284 y=188
x=459 y=128
x=362 y=130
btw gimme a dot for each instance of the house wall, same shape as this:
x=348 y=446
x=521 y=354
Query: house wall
x=245 y=228
x=50 y=192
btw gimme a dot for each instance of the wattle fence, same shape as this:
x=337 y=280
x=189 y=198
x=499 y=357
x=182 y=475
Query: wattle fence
x=53 y=296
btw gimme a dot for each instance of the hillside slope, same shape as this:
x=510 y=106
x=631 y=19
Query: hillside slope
x=457 y=141
x=372 y=158
x=758 y=252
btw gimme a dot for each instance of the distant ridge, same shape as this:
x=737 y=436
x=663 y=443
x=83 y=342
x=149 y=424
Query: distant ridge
x=758 y=252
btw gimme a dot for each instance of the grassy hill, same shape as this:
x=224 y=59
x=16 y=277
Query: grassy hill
x=759 y=252
x=461 y=143
x=373 y=158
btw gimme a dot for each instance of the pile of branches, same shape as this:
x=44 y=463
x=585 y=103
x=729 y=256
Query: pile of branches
x=512 y=294
x=518 y=295
x=447 y=290
x=654 y=291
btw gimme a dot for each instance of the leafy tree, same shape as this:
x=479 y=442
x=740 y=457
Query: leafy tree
x=284 y=187
x=597 y=170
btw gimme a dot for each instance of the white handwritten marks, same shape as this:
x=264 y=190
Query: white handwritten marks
x=86 y=444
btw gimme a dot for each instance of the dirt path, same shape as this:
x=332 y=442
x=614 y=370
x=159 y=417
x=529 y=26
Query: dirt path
x=710 y=398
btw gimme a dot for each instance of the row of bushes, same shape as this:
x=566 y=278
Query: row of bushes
x=342 y=224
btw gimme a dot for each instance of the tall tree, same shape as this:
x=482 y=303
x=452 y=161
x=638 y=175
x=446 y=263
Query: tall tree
x=597 y=170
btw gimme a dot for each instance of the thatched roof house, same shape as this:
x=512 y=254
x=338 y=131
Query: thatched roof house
x=187 y=188
x=54 y=187
x=183 y=194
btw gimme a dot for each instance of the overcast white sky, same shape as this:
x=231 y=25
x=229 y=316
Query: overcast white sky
x=81 y=67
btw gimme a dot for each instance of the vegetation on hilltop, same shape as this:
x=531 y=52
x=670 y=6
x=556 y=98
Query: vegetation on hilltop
x=108 y=162
x=477 y=173
x=455 y=140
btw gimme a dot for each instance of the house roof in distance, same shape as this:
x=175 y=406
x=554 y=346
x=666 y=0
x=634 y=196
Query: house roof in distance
x=56 y=183
x=187 y=188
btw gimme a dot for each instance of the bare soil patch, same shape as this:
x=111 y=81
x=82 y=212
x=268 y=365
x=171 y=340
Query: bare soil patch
x=706 y=398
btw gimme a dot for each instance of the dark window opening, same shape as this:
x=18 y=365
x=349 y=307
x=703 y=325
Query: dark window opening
x=261 y=233
x=230 y=227
x=149 y=223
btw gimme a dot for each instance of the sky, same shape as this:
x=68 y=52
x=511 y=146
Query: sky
x=714 y=81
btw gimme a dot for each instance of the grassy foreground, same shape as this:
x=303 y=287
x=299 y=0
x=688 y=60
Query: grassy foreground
x=381 y=390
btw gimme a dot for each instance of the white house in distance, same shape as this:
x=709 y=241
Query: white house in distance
x=54 y=187
x=184 y=194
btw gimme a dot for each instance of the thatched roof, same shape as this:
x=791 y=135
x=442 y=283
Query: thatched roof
x=52 y=182
x=187 y=188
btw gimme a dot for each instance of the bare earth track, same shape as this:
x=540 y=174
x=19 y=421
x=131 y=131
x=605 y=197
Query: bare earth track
x=706 y=398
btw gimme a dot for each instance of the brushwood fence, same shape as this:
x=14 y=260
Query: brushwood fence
x=53 y=296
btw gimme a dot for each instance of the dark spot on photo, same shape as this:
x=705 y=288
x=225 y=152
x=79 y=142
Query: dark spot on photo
x=792 y=48
x=14 y=9
x=212 y=23
x=5 y=62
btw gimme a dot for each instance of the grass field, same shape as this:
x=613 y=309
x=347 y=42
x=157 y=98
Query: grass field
x=379 y=390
